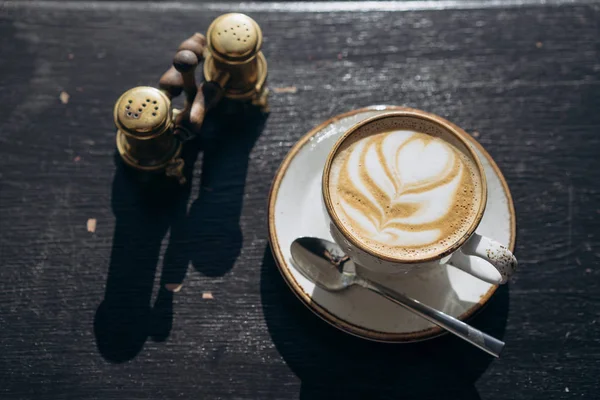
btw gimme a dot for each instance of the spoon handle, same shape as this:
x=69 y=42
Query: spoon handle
x=464 y=331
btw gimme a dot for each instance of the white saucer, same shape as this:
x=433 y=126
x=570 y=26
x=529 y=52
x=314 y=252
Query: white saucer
x=295 y=210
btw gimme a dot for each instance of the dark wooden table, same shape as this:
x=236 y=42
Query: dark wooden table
x=81 y=313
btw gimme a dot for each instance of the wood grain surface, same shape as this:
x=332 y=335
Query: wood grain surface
x=81 y=313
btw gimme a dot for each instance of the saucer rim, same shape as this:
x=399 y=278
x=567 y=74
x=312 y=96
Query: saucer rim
x=320 y=311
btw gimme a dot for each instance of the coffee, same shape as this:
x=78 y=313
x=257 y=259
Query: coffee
x=405 y=192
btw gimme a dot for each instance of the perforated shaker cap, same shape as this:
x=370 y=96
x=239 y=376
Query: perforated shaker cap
x=234 y=38
x=142 y=112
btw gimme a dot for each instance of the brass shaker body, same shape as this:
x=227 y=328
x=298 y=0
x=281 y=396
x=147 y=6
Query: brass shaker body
x=234 y=60
x=144 y=119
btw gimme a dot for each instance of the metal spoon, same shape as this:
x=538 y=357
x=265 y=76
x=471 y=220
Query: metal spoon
x=324 y=263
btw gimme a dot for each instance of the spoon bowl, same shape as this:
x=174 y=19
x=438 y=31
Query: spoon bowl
x=323 y=262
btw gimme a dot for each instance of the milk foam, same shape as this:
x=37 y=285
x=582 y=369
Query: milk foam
x=404 y=193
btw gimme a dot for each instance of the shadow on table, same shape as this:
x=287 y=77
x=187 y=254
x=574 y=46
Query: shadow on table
x=208 y=235
x=333 y=364
x=211 y=236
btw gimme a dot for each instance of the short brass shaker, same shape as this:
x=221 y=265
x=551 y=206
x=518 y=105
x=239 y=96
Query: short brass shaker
x=145 y=141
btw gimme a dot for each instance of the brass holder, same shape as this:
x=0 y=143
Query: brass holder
x=151 y=133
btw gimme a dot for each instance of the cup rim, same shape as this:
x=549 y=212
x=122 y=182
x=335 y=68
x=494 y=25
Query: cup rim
x=455 y=131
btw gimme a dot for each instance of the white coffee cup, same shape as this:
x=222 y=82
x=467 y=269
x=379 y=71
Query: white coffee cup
x=475 y=254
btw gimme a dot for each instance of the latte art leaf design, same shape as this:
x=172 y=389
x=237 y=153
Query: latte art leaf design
x=397 y=189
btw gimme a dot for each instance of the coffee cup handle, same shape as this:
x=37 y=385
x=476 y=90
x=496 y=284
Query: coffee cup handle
x=479 y=254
